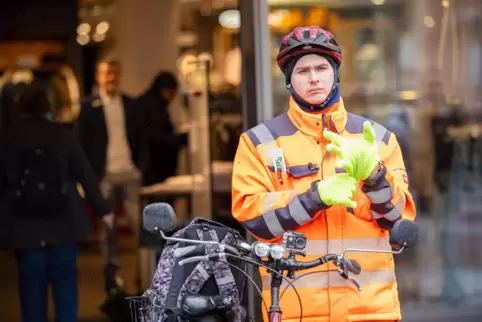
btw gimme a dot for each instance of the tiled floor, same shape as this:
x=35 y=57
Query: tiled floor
x=91 y=283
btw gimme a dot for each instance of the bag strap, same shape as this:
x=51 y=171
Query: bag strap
x=198 y=277
x=225 y=280
x=200 y=220
x=205 y=223
x=205 y=269
x=222 y=272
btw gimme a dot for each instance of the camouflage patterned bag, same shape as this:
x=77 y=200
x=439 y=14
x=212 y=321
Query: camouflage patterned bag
x=171 y=281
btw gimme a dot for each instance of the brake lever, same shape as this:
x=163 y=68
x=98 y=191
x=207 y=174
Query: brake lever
x=344 y=273
x=354 y=281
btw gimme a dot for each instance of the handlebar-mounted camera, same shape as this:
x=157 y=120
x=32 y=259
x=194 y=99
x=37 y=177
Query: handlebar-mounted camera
x=294 y=242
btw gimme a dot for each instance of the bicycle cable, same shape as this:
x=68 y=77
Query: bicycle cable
x=303 y=275
x=254 y=283
x=277 y=273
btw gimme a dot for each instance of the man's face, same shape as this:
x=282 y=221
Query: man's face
x=313 y=78
x=108 y=78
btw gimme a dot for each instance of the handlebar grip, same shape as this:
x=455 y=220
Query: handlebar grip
x=194 y=250
x=352 y=266
x=232 y=250
x=193 y=259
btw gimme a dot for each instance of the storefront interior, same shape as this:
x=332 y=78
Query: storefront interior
x=414 y=66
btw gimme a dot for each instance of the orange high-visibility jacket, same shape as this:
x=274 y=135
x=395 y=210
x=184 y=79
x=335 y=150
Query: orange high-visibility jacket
x=268 y=202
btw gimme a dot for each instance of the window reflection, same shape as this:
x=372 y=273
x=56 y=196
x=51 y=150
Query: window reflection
x=415 y=67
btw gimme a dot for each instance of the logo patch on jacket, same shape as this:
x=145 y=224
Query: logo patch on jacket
x=279 y=163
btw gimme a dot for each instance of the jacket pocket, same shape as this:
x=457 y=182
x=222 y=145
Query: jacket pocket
x=299 y=171
x=286 y=179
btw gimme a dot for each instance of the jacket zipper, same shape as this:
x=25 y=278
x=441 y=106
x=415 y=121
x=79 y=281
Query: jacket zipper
x=325 y=127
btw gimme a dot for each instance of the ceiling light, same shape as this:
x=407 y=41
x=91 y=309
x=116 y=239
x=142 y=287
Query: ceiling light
x=230 y=19
x=408 y=95
x=378 y=2
x=83 y=29
x=445 y=3
x=98 y=37
x=102 y=27
x=83 y=39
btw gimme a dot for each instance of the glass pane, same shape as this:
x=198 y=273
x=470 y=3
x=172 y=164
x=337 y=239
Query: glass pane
x=216 y=25
x=416 y=68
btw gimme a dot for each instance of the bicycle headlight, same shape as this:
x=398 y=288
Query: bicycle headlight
x=277 y=251
x=261 y=249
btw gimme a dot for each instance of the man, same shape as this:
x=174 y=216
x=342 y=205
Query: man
x=332 y=175
x=111 y=131
x=164 y=143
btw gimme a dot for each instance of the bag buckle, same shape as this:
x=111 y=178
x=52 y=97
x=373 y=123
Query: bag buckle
x=204 y=226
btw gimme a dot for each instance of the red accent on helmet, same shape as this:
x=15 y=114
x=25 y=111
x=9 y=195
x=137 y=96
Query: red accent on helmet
x=312 y=39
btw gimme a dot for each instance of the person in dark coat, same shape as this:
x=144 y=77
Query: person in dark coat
x=113 y=134
x=164 y=143
x=44 y=240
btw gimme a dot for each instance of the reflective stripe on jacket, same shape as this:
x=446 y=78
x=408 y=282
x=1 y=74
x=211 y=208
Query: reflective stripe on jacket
x=268 y=202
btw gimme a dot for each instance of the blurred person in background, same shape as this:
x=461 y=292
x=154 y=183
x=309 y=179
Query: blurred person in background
x=164 y=143
x=337 y=177
x=444 y=116
x=111 y=130
x=421 y=154
x=398 y=122
x=42 y=212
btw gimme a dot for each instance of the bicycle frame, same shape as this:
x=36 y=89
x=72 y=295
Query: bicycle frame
x=275 y=313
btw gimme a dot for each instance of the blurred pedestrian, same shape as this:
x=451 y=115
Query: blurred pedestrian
x=43 y=214
x=164 y=143
x=113 y=134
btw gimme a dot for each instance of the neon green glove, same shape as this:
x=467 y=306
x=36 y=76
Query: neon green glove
x=359 y=157
x=338 y=189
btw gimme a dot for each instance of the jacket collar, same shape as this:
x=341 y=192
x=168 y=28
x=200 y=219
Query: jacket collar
x=98 y=101
x=313 y=123
x=106 y=99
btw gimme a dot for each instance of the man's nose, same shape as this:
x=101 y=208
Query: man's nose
x=313 y=78
x=314 y=81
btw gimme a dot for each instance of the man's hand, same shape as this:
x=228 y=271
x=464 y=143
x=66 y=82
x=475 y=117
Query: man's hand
x=108 y=220
x=359 y=157
x=338 y=189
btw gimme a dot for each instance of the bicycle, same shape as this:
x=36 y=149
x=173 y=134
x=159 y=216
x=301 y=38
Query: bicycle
x=404 y=234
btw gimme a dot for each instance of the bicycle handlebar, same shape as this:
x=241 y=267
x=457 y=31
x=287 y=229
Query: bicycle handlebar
x=208 y=252
x=353 y=266
x=406 y=231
